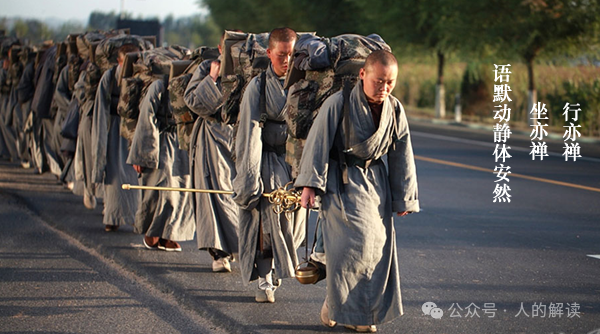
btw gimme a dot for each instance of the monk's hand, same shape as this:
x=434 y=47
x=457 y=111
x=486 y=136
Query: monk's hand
x=307 y=199
x=403 y=213
x=138 y=168
x=215 y=69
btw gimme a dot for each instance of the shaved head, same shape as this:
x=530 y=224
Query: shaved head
x=382 y=57
x=379 y=76
x=281 y=35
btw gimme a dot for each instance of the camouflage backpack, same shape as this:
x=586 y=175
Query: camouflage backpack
x=9 y=48
x=75 y=64
x=244 y=56
x=308 y=89
x=16 y=67
x=61 y=60
x=84 y=41
x=181 y=74
x=93 y=74
x=139 y=71
x=107 y=50
x=27 y=55
x=74 y=61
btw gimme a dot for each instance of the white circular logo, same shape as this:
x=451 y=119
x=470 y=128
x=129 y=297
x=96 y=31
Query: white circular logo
x=437 y=313
x=427 y=307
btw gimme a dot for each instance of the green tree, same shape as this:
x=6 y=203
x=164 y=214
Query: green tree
x=532 y=29
x=326 y=17
x=426 y=25
x=191 y=32
x=102 y=21
x=67 y=28
x=32 y=30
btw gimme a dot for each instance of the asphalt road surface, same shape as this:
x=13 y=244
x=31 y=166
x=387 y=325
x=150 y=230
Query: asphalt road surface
x=527 y=266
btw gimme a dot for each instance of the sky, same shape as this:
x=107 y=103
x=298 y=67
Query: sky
x=80 y=9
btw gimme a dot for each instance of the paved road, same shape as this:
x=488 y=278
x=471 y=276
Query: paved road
x=463 y=253
x=51 y=283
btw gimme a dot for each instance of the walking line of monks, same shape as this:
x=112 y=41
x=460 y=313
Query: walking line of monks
x=357 y=158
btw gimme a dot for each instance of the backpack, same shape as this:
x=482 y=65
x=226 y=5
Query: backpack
x=107 y=51
x=315 y=77
x=84 y=41
x=139 y=70
x=244 y=57
x=93 y=73
x=16 y=67
x=61 y=60
x=180 y=76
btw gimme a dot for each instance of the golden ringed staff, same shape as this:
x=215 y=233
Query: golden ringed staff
x=284 y=199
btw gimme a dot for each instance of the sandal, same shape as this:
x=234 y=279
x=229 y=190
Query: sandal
x=362 y=329
x=325 y=316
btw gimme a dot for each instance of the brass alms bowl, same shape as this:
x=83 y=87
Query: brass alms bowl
x=307 y=273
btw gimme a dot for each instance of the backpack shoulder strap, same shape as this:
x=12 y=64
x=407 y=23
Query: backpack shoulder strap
x=262 y=104
x=346 y=116
x=341 y=149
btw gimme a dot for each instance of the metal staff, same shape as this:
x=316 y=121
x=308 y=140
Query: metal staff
x=285 y=199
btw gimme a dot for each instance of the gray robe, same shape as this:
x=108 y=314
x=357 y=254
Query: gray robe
x=155 y=147
x=15 y=126
x=8 y=147
x=45 y=153
x=211 y=165
x=259 y=170
x=109 y=155
x=82 y=162
x=62 y=98
x=25 y=90
x=363 y=281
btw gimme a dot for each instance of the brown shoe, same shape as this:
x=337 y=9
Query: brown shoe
x=111 y=228
x=151 y=242
x=168 y=245
x=362 y=329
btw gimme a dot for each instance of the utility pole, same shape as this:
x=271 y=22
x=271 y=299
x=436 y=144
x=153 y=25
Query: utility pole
x=122 y=9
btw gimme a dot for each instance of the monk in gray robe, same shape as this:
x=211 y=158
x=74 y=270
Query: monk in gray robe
x=360 y=162
x=8 y=148
x=164 y=217
x=62 y=100
x=267 y=241
x=212 y=167
x=45 y=152
x=85 y=93
x=25 y=90
x=110 y=151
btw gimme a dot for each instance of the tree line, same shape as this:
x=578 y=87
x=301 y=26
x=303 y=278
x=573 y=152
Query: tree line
x=191 y=32
x=441 y=31
x=498 y=31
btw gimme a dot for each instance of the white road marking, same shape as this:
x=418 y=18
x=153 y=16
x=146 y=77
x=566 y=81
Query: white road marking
x=488 y=170
x=595 y=256
x=489 y=144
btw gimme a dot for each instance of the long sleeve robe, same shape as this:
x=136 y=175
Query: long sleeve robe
x=59 y=163
x=109 y=155
x=259 y=171
x=164 y=214
x=357 y=224
x=25 y=90
x=83 y=162
x=42 y=108
x=8 y=146
x=211 y=165
x=62 y=99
